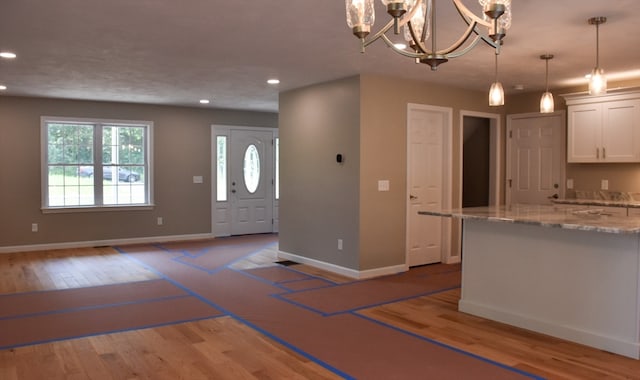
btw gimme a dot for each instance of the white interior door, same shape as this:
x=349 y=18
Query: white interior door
x=250 y=181
x=536 y=157
x=428 y=160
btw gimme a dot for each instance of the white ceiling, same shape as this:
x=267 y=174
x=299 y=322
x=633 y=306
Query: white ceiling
x=177 y=52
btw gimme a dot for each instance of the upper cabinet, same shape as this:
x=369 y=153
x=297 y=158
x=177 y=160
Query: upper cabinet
x=604 y=128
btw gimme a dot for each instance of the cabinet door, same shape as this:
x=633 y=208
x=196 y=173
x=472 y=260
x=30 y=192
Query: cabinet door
x=584 y=133
x=620 y=132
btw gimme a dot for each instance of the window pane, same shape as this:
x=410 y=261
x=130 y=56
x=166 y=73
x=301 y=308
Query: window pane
x=277 y=168
x=251 y=169
x=221 y=173
x=69 y=145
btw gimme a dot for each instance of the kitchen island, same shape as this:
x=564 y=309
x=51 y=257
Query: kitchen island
x=569 y=272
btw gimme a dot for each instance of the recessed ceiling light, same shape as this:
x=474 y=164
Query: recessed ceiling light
x=7 y=54
x=273 y=81
x=2 y=87
x=204 y=101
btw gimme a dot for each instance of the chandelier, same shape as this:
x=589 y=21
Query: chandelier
x=418 y=18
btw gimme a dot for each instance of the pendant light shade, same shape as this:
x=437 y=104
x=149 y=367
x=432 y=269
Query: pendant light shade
x=496 y=93
x=546 y=101
x=597 y=81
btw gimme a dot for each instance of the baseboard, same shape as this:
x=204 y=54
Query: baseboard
x=347 y=272
x=590 y=338
x=452 y=260
x=98 y=243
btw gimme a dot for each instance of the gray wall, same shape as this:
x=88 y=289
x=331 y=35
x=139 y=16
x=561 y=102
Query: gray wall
x=319 y=198
x=181 y=150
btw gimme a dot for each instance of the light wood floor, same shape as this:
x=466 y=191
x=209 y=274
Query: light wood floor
x=224 y=348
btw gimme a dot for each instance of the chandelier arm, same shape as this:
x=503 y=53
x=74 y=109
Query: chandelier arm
x=390 y=44
x=380 y=33
x=456 y=45
x=469 y=16
x=464 y=51
x=418 y=42
x=401 y=22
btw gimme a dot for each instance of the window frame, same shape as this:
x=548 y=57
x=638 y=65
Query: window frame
x=97 y=125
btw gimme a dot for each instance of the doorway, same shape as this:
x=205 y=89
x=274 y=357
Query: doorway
x=244 y=178
x=475 y=161
x=428 y=183
x=480 y=141
x=536 y=157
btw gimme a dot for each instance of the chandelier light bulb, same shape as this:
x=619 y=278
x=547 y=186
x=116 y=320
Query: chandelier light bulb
x=360 y=16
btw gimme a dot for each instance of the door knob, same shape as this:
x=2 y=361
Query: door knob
x=412 y=197
x=233 y=191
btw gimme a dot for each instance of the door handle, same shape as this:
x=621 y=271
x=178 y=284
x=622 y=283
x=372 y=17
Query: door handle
x=233 y=191
x=412 y=197
x=554 y=196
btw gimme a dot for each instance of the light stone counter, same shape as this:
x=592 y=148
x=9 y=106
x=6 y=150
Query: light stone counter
x=572 y=218
x=564 y=271
x=598 y=202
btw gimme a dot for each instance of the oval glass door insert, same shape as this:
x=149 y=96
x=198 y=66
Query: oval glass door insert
x=251 y=168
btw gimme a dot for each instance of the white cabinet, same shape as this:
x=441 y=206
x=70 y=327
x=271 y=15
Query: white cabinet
x=604 y=128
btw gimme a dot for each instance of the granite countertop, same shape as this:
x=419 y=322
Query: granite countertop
x=578 y=218
x=598 y=202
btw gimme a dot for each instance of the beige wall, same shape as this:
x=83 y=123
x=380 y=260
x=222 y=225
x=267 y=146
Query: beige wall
x=318 y=196
x=586 y=177
x=384 y=156
x=181 y=150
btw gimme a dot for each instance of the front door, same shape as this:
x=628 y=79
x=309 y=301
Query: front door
x=536 y=157
x=251 y=153
x=244 y=180
x=428 y=141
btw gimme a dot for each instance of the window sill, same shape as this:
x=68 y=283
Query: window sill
x=62 y=210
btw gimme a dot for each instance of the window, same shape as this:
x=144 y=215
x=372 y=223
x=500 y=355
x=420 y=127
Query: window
x=221 y=173
x=251 y=168
x=95 y=163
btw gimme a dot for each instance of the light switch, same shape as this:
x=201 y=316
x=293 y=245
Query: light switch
x=570 y=183
x=383 y=185
x=197 y=179
x=604 y=185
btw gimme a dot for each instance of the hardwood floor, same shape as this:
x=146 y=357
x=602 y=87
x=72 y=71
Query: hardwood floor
x=220 y=348
x=225 y=348
x=437 y=317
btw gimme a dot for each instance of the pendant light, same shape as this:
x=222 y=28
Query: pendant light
x=598 y=81
x=496 y=93
x=546 y=101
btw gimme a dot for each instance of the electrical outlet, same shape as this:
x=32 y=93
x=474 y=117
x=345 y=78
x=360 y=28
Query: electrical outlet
x=339 y=244
x=34 y=227
x=160 y=221
x=383 y=185
x=570 y=183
